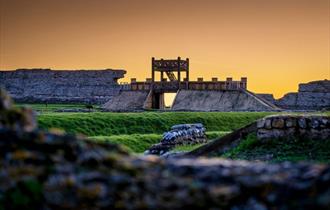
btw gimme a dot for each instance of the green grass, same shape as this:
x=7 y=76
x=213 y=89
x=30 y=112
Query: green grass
x=186 y=148
x=138 y=143
x=53 y=107
x=107 y=124
x=277 y=150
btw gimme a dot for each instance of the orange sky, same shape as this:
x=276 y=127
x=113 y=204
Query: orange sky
x=275 y=43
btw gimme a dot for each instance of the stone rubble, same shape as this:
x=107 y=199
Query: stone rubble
x=181 y=134
x=42 y=170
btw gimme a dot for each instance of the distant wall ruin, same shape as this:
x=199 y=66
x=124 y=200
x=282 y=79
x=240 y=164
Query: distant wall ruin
x=61 y=86
x=314 y=95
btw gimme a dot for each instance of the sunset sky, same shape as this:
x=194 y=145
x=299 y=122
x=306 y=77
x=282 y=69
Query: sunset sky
x=275 y=43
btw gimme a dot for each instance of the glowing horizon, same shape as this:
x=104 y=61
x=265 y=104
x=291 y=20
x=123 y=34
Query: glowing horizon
x=276 y=44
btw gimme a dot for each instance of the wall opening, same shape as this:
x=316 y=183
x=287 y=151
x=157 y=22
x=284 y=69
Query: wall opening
x=169 y=99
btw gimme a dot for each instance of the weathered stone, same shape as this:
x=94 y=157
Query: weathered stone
x=315 y=86
x=290 y=132
x=325 y=123
x=314 y=123
x=5 y=100
x=290 y=122
x=302 y=132
x=302 y=123
x=59 y=86
x=319 y=134
x=268 y=123
x=278 y=123
x=23 y=119
x=261 y=123
x=270 y=134
x=263 y=133
x=314 y=95
x=268 y=97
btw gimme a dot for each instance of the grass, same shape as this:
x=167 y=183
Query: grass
x=277 y=150
x=107 y=124
x=138 y=143
x=186 y=148
x=42 y=108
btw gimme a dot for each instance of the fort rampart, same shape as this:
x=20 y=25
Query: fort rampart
x=61 y=86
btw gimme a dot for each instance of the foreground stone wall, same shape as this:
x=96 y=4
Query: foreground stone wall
x=279 y=126
x=41 y=170
x=64 y=86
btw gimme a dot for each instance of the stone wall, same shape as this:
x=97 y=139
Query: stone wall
x=314 y=95
x=286 y=126
x=207 y=100
x=267 y=96
x=127 y=101
x=61 y=86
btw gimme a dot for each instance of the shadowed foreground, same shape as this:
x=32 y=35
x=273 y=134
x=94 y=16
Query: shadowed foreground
x=45 y=170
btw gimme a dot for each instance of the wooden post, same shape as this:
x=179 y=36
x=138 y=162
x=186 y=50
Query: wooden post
x=187 y=74
x=179 y=75
x=152 y=70
x=161 y=76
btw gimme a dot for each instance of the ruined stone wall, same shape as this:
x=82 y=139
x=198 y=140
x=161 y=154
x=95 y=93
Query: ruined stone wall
x=280 y=126
x=311 y=96
x=61 y=86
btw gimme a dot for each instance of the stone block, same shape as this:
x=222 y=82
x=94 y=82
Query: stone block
x=262 y=133
x=268 y=124
x=277 y=133
x=313 y=123
x=278 y=123
x=324 y=123
x=261 y=123
x=302 y=123
x=319 y=134
x=270 y=134
x=302 y=132
x=290 y=122
x=290 y=132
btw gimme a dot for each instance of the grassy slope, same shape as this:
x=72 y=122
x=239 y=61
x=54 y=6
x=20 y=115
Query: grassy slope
x=281 y=150
x=106 y=124
x=140 y=142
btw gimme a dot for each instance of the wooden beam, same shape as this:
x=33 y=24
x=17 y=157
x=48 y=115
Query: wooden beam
x=152 y=70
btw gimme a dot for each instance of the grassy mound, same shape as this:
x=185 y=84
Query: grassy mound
x=277 y=150
x=138 y=143
x=106 y=124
